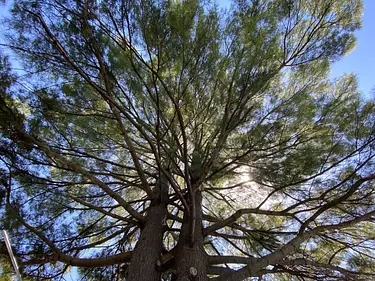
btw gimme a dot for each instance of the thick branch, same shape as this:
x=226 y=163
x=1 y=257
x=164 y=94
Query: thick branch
x=238 y=214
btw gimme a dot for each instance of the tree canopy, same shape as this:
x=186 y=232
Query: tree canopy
x=175 y=140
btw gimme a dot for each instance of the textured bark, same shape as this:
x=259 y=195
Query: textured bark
x=191 y=257
x=143 y=264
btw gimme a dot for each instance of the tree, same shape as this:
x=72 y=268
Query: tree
x=172 y=140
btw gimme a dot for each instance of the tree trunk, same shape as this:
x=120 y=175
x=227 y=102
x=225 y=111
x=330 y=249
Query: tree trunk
x=143 y=264
x=190 y=259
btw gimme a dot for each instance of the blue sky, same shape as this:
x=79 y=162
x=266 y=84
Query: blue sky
x=362 y=59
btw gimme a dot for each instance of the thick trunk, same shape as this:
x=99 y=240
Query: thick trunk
x=143 y=264
x=190 y=259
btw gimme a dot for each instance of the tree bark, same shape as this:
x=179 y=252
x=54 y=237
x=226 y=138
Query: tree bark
x=190 y=259
x=143 y=264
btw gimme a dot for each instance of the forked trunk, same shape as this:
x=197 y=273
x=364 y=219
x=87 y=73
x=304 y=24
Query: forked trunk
x=190 y=259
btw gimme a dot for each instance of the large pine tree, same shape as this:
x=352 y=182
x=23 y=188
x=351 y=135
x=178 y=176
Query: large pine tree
x=172 y=140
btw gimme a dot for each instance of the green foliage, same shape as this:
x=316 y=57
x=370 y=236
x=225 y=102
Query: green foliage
x=234 y=103
x=6 y=269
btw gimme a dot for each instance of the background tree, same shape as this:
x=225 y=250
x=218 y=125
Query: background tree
x=171 y=140
x=6 y=270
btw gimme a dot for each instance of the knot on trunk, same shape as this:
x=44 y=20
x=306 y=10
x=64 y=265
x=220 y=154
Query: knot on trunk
x=193 y=271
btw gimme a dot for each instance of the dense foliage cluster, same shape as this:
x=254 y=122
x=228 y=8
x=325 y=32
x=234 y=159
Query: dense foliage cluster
x=174 y=140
